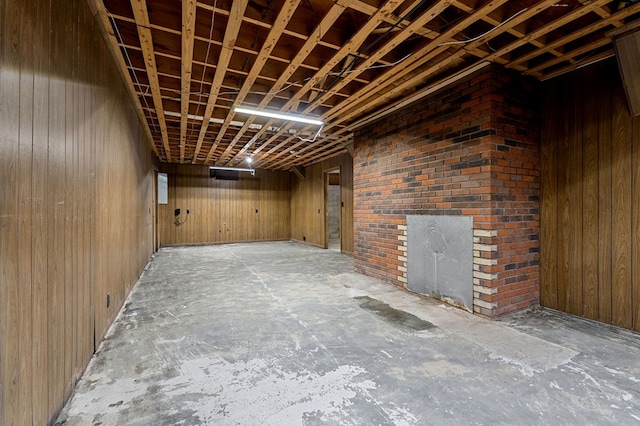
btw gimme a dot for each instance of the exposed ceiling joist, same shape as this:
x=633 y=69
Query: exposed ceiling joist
x=146 y=42
x=187 y=63
x=269 y=44
x=324 y=25
x=98 y=9
x=228 y=44
x=188 y=37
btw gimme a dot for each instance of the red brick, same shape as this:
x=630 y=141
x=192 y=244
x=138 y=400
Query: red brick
x=486 y=177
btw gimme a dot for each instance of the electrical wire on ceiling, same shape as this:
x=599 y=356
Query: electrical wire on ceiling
x=349 y=69
x=372 y=67
x=524 y=8
x=235 y=91
x=314 y=138
x=133 y=70
x=484 y=34
x=391 y=28
x=204 y=67
x=153 y=116
x=597 y=51
x=345 y=70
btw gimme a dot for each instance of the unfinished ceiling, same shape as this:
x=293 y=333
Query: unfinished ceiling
x=187 y=63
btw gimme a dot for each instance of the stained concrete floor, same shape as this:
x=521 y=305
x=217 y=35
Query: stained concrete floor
x=286 y=334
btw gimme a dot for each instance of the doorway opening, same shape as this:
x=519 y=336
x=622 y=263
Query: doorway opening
x=333 y=208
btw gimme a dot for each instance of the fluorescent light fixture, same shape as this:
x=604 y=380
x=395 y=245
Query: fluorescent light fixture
x=235 y=123
x=235 y=169
x=278 y=115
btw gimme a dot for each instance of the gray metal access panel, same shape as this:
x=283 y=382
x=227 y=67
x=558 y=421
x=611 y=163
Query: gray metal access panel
x=440 y=257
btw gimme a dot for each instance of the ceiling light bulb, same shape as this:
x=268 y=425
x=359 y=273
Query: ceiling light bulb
x=278 y=115
x=249 y=160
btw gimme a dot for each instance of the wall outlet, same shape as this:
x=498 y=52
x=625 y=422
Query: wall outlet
x=304 y=238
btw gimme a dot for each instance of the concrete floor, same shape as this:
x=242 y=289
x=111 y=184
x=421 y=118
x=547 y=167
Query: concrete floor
x=286 y=334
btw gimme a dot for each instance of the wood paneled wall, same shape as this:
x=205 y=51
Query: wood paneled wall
x=253 y=208
x=75 y=202
x=590 y=205
x=308 y=219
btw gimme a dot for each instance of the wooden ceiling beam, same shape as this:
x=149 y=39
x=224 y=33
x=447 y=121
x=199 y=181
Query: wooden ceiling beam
x=327 y=21
x=407 y=32
x=228 y=43
x=267 y=26
x=525 y=42
x=245 y=50
x=567 y=57
x=374 y=100
x=424 y=32
x=368 y=101
x=595 y=58
x=390 y=18
x=144 y=33
x=394 y=19
x=338 y=148
x=298 y=172
x=419 y=22
x=362 y=7
x=268 y=159
x=378 y=90
x=188 y=33
x=283 y=18
x=310 y=153
x=216 y=43
x=233 y=71
x=548 y=27
x=100 y=12
x=198 y=38
x=279 y=151
x=350 y=47
x=617 y=17
x=605 y=14
x=495 y=22
x=152 y=26
x=329 y=128
x=334 y=152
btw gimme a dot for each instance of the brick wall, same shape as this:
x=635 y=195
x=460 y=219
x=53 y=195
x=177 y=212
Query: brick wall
x=471 y=149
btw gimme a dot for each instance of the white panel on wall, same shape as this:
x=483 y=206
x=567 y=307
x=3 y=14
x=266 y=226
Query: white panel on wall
x=163 y=188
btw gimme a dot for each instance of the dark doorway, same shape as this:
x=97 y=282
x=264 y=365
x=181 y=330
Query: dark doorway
x=332 y=210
